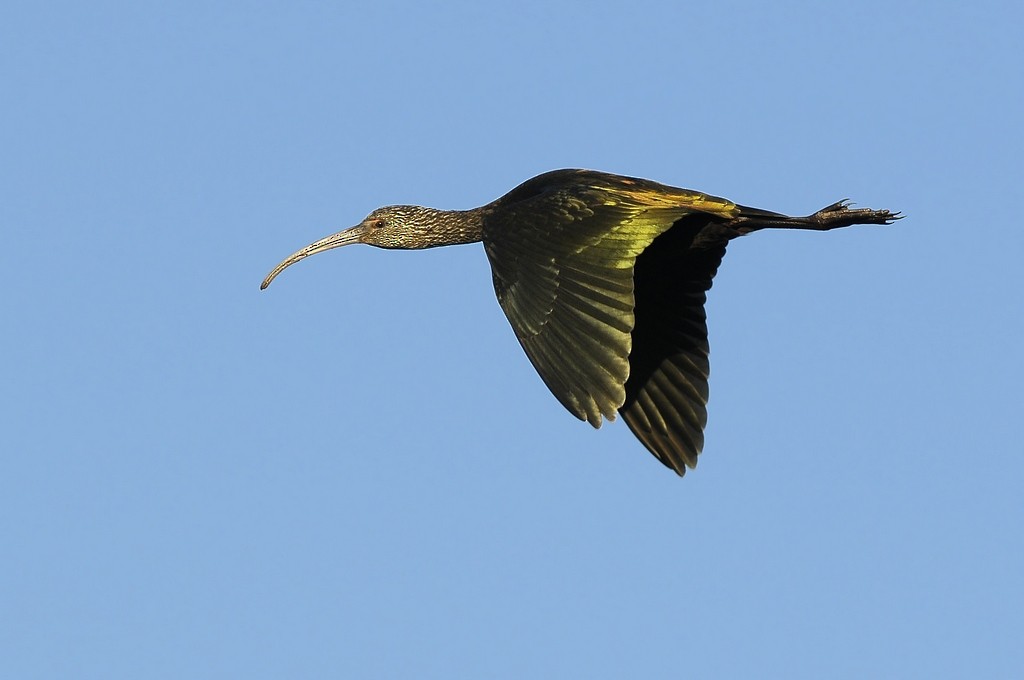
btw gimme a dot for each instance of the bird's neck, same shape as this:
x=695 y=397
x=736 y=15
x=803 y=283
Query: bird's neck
x=455 y=227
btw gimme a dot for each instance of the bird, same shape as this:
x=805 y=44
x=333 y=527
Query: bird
x=604 y=280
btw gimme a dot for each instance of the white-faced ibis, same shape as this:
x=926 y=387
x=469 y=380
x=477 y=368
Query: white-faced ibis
x=603 y=279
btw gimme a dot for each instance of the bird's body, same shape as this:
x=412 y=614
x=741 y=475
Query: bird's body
x=603 y=279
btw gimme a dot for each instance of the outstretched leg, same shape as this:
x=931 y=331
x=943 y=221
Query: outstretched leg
x=839 y=214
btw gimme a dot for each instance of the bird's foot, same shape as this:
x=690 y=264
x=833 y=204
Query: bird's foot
x=840 y=214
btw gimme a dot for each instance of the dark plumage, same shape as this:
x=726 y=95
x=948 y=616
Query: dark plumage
x=603 y=279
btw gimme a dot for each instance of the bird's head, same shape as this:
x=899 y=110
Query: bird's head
x=395 y=226
x=401 y=226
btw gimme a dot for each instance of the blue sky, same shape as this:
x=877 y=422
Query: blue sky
x=357 y=473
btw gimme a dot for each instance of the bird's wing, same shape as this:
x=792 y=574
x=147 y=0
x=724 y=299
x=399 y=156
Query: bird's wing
x=667 y=390
x=562 y=263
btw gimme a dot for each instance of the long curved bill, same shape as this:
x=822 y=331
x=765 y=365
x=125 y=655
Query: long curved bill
x=342 y=238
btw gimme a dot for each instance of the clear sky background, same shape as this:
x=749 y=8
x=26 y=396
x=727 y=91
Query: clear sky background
x=357 y=473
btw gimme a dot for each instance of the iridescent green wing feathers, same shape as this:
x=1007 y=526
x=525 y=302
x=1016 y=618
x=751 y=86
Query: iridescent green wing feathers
x=563 y=265
x=567 y=290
